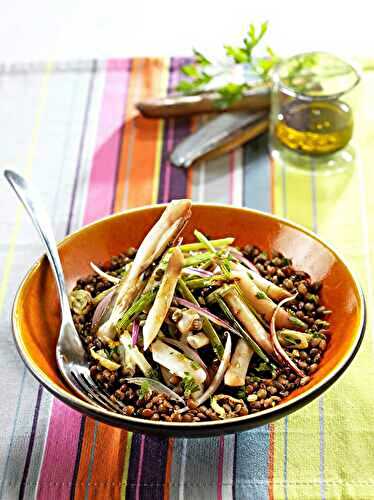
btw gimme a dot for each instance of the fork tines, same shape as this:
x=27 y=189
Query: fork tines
x=98 y=396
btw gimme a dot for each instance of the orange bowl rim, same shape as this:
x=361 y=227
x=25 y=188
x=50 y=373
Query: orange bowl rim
x=308 y=395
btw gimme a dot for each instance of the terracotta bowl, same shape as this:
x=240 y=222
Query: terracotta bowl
x=36 y=313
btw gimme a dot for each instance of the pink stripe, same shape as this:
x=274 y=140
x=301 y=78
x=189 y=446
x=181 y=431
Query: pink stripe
x=140 y=468
x=220 y=467
x=64 y=425
x=231 y=178
x=104 y=165
x=60 y=451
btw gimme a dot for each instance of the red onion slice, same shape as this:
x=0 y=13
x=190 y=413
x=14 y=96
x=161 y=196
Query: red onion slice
x=277 y=346
x=102 y=308
x=197 y=272
x=204 y=312
x=135 y=332
x=240 y=257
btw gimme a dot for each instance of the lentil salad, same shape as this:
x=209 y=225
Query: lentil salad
x=199 y=331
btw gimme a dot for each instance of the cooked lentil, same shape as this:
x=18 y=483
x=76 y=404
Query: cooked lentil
x=259 y=391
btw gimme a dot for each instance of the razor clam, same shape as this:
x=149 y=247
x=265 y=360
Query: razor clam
x=174 y=105
x=220 y=135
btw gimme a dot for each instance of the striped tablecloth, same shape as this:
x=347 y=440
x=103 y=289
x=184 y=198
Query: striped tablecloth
x=73 y=130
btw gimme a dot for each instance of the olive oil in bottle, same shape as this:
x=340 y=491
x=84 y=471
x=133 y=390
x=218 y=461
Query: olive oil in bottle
x=315 y=128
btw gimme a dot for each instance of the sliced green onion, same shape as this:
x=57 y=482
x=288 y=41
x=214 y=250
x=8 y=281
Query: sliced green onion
x=192 y=247
x=220 y=292
x=243 y=333
x=204 y=282
x=137 y=307
x=296 y=321
x=194 y=260
x=204 y=240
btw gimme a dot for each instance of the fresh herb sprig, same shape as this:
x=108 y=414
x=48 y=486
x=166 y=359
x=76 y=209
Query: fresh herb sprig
x=231 y=92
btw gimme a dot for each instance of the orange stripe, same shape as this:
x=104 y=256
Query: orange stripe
x=145 y=149
x=169 y=460
x=139 y=142
x=189 y=183
x=108 y=463
x=128 y=129
x=84 y=458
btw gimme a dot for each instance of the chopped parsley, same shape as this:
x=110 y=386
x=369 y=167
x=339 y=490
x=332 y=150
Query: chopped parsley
x=180 y=356
x=154 y=373
x=266 y=367
x=312 y=298
x=241 y=394
x=144 y=389
x=261 y=295
x=189 y=385
x=195 y=365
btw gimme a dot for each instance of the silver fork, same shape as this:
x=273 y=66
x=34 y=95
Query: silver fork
x=70 y=354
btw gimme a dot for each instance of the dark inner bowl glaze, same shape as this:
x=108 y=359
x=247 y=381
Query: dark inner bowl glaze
x=36 y=315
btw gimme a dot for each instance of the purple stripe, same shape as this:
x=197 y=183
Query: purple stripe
x=31 y=442
x=178 y=178
x=147 y=467
x=140 y=469
x=173 y=181
x=154 y=468
x=132 y=475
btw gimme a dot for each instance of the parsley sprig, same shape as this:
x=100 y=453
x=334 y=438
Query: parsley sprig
x=199 y=76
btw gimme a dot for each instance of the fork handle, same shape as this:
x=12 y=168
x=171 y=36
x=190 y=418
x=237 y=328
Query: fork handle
x=38 y=214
